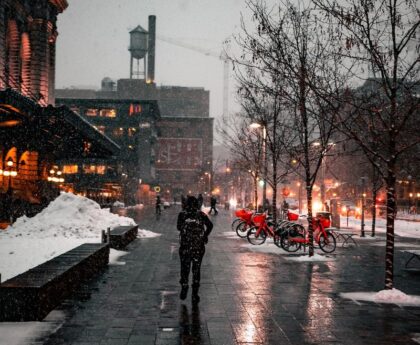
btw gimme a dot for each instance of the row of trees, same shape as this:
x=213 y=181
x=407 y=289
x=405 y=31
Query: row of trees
x=302 y=75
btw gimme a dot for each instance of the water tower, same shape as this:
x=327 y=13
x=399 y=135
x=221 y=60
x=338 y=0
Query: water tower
x=142 y=46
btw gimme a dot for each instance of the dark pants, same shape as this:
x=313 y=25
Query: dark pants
x=213 y=207
x=191 y=257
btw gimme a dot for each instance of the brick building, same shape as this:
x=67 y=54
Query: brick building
x=34 y=134
x=172 y=147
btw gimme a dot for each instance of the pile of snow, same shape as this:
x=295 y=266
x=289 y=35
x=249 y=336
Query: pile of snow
x=118 y=204
x=69 y=216
x=393 y=296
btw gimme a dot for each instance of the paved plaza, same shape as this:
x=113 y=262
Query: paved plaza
x=247 y=297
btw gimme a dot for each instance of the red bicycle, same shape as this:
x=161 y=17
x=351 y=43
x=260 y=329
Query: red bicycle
x=299 y=236
x=262 y=229
x=246 y=217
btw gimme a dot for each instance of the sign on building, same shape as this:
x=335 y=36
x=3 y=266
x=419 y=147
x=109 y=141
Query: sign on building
x=179 y=154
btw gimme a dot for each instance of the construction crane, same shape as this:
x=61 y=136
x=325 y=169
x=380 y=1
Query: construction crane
x=222 y=56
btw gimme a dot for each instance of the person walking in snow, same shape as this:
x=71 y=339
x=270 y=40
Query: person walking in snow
x=158 y=205
x=200 y=201
x=213 y=202
x=194 y=229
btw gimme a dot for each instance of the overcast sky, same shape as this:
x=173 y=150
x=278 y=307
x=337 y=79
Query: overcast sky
x=93 y=41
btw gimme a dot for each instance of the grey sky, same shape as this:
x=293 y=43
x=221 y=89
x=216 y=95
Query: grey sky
x=93 y=41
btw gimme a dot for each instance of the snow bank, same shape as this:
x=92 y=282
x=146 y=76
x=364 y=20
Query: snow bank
x=393 y=296
x=69 y=216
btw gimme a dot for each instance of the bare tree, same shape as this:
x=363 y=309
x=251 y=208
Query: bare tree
x=380 y=35
x=288 y=48
x=245 y=145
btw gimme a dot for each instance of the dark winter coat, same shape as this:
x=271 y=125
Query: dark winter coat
x=205 y=224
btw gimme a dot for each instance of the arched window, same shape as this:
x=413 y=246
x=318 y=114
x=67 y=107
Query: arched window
x=12 y=53
x=25 y=55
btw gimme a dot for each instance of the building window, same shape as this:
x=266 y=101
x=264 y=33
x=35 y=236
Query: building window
x=94 y=169
x=91 y=112
x=109 y=112
x=134 y=109
x=118 y=132
x=70 y=169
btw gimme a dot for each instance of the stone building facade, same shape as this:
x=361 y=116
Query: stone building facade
x=28 y=33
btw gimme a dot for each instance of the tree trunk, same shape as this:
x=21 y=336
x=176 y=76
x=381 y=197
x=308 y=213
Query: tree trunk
x=374 y=194
x=274 y=201
x=310 y=217
x=390 y=220
x=256 y=193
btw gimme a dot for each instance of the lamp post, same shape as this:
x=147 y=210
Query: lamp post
x=300 y=196
x=209 y=175
x=264 y=147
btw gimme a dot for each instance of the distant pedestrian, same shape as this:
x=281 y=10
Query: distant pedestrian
x=158 y=206
x=183 y=201
x=200 y=201
x=213 y=202
x=194 y=227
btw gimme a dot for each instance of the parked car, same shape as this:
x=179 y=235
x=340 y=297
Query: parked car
x=166 y=204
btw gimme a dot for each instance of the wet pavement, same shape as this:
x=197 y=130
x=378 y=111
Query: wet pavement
x=246 y=297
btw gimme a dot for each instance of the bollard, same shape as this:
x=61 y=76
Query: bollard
x=108 y=234
x=103 y=236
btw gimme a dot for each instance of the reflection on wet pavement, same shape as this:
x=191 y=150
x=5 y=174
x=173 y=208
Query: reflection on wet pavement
x=246 y=297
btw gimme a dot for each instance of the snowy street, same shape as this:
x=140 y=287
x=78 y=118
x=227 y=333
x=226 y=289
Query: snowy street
x=249 y=295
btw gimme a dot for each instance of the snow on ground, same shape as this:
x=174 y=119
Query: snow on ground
x=114 y=257
x=66 y=223
x=393 y=296
x=24 y=333
x=307 y=258
x=404 y=228
x=147 y=234
x=70 y=216
x=416 y=337
x=268 y=247
x=230 y=234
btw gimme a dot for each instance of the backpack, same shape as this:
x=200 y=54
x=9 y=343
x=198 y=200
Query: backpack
x=192 y=233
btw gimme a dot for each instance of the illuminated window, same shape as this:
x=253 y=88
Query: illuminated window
x=89 y=169
x=134 y=109
x=70 y=169
x=94 y=169
x=118 y=132
x=101 y=129
x=131 y=131
x=91 y=112
x=110 y=112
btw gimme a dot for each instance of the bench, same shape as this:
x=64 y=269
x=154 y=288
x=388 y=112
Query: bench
x=30 y=296
x=415 y=254
x=121 y=236
x=345 y=236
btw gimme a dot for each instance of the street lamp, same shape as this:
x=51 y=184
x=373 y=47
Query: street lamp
x=256 y=125
x=209 y=175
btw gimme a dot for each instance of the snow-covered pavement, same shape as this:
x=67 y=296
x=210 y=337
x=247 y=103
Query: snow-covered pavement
x=66 y=223
x=403 y=228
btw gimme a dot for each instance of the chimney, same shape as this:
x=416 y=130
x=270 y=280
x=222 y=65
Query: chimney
x=151 y=50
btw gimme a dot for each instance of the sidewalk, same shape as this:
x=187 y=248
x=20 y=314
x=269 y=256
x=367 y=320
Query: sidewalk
x=246 y=297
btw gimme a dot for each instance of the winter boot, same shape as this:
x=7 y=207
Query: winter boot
x=184 y=292
x=195 y=298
